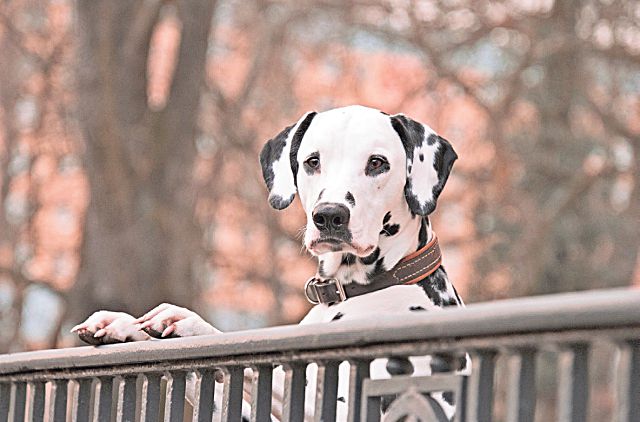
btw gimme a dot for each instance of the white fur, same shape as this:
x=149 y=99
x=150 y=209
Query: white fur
x=345 y=139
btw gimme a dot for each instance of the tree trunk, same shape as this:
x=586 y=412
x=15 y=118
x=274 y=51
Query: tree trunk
x=567 y=246
x=141 y=238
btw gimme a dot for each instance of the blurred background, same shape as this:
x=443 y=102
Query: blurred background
x=130 y=133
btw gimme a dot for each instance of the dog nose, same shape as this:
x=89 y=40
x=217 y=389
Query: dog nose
x=330 y=217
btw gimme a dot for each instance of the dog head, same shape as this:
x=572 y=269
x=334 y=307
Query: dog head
x=350 y=166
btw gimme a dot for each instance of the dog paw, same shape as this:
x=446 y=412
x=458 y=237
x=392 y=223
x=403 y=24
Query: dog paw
x=106 y=327
x=167 y=320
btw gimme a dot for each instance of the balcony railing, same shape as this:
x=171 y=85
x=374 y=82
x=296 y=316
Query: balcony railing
x=572 y=356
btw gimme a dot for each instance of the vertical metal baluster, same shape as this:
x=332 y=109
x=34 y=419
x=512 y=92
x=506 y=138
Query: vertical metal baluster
x=232 y=394
x=358 y=371
x=261 y=393
x=479 y=399
x=104 y=397
x=126 y=404
x=326 y=391
x=521 y=400
x=294 y=386
x=82 y=400
x=203 y=407
x=174 y=404
x=628 y=382
x=37 y=389
x=371 y=409
x=150 y=400
x=573 y=386
x=5 y=401
x=19 y=401
x=58 y=403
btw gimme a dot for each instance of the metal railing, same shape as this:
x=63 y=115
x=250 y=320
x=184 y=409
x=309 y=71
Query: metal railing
x=507 y=341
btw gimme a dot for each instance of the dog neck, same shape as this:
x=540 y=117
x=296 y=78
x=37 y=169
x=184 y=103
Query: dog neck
x=402 y=234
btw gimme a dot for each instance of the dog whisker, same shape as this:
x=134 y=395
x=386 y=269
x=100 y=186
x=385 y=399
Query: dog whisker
x=300 y=232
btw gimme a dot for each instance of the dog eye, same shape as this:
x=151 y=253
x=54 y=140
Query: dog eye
x=376 y=165
x=313 y=162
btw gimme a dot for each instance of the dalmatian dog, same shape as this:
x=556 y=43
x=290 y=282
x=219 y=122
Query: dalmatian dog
x=367 y=182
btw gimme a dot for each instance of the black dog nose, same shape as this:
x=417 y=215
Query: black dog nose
x=330 y=217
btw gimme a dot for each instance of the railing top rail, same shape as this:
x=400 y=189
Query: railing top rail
x=603 y=309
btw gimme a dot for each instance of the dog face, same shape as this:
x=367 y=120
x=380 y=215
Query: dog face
x=351 y=166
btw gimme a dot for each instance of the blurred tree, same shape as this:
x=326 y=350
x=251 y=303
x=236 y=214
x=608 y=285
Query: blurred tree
x=34 y=140
x=169 y=102
x=141 y=241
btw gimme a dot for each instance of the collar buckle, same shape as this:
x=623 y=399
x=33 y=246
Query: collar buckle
x=324 y=291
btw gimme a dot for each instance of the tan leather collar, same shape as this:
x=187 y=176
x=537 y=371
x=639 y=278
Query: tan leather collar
x=410 y=270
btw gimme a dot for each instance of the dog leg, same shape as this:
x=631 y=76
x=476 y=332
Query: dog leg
x=107 y=327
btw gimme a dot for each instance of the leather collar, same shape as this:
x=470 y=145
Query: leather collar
x=410 y=270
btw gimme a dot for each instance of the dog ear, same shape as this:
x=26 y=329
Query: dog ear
x=278 y=160
x=429 y=161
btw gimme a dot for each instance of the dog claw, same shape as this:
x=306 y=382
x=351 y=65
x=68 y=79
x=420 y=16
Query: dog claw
x=158 y=334
x=81 y=326
x=168 y=330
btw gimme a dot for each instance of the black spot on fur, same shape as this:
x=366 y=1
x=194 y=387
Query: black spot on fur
x=440 y=363
x=448 y=397
x=270 y=153
x=279 y=203
x=378 y=269
x=350 y=199
x=421 y=157
x=411 y=135
x=348 y=259
x=422 y=234
x=337 y=316
x=295 y=144
x=443 y=161
x=390 y=229
x=435 y=286
x=450 y=302
x=457 y=295
x=414 y=205
x=341 y=399
x=399 y=366
x=370 y=259
x=386 y=218
x=416 y=308
x=320 y=195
